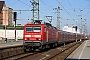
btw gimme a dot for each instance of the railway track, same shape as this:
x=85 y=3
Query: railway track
x=59 y=53
x=62 y=55
x=20 y=56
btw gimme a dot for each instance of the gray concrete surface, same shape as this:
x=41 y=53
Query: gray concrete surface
x=3 y=43
x=82 y=52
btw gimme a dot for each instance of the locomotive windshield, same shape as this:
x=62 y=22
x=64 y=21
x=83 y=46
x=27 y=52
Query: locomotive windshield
x=29 y=29
x=36 y=29
x=33 y=29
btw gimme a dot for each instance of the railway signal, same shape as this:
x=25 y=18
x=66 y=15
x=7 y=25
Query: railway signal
x=14 y=19
x=14 y=16
x=76 y=28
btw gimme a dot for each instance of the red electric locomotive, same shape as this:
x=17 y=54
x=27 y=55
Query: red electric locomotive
x=39 y=36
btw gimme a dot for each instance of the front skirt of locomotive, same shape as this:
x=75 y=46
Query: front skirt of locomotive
x=32 y=45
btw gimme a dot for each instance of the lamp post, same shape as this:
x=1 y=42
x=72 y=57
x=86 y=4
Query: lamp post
x=5 y=26
x=76 y=32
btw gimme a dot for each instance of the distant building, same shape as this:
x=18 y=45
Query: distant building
x=5 y=14
x=70 y=29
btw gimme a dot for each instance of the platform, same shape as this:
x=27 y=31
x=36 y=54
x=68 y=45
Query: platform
x=81 y=53
x=9 y=43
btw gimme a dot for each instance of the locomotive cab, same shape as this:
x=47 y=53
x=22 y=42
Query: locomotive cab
x=33 y=36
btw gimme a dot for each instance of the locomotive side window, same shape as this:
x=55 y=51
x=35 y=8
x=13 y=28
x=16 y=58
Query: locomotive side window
x=29 y=29
x=36 y=29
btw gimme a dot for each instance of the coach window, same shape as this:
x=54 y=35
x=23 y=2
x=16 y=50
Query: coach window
x=44 y=29
x=61 y=35
x=29 y=29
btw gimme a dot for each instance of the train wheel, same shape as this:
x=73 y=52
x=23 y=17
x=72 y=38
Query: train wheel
x=64 y=44
x=53 y=45
x=56 y=44
x=24 y=50
x=46 y=46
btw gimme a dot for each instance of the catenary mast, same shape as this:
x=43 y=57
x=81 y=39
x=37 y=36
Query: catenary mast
x=58 y=16
x=35 y=10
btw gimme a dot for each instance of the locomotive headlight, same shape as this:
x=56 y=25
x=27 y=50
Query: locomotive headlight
x=25 y=39
x=39 y=39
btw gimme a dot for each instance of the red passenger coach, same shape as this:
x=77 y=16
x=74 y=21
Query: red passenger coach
x=38 y=36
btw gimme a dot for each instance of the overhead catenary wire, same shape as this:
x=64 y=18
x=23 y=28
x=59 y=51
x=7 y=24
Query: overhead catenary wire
x=13 y=3
x=87 y=6
x=24 y=3
x=70 y=4
x=87 y=12
x=21 y=2
x=49 y=7
x=66 y=10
